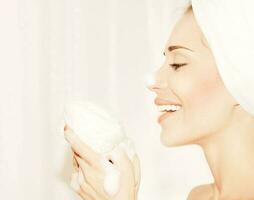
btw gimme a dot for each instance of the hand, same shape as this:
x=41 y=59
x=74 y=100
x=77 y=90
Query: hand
x=90 y=163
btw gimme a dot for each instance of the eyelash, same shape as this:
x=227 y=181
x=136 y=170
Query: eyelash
x=176 y=65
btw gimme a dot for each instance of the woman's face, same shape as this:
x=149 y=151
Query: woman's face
x=197 y=86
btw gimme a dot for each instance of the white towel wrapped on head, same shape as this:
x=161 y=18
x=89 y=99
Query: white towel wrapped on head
x=228 y=26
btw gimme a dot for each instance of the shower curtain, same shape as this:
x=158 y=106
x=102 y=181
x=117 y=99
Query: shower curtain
x=101 y=50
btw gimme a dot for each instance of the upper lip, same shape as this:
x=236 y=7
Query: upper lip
x=159 y=101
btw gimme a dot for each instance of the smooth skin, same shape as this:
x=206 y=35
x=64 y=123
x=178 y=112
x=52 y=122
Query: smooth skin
x=89 y=162
x=210 y=116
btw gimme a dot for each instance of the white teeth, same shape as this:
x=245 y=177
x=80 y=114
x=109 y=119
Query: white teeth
x=168 y=108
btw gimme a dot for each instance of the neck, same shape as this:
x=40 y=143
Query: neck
x=230 y=155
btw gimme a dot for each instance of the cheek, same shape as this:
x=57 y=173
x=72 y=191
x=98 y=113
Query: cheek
x=204 y=101
x=203 y=91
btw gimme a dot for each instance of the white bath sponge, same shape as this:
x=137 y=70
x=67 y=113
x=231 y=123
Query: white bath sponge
x=100 y=129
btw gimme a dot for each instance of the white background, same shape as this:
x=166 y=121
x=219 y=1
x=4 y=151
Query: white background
x=99 y=50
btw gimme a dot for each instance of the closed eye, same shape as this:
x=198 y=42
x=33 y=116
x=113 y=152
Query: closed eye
x=177 y=65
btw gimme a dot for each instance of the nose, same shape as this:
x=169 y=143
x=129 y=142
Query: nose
x=156 y=81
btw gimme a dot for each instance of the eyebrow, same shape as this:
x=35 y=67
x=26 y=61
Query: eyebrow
x=172 y=48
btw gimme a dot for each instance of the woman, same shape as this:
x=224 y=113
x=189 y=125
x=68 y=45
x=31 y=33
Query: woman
x=211 y=115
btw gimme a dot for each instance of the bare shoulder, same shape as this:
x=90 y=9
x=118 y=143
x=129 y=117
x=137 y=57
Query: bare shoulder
x=201 y=192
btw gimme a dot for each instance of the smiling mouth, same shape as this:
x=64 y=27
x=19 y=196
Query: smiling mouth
x=166 y=114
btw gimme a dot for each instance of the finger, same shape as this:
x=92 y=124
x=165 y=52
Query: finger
x=75 y=163
x=123 y=164
x=87 y=192
x=77 y=180
x=85 y=152
x=75 y=177
x=137 y=174
x=65 y=127
x=74 y=181
x=94 y=178
x=81 y=178
x=84 y=195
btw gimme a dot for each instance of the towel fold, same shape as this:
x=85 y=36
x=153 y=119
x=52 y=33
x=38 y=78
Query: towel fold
x=229 y=30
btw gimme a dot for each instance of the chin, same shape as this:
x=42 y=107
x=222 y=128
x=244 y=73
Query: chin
x=170 y=140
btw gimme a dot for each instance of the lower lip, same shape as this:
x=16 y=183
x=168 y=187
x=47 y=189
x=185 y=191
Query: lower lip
x=165 y=115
